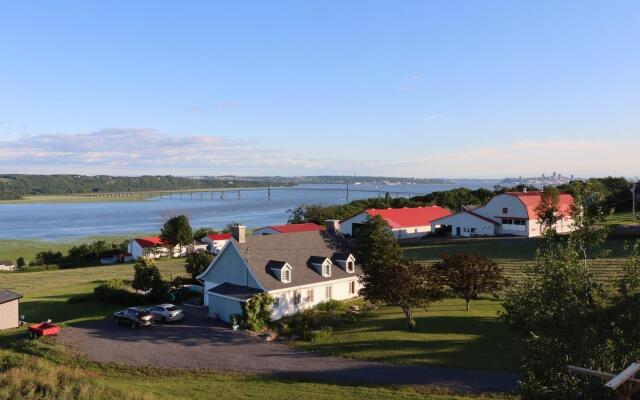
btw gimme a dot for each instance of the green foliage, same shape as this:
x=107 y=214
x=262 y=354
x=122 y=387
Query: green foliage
x=14 y=186
x=115 y=292
x=48 y=257
x=146 y=274
x=389 y=279
x=20 y=262
x=177 y=230
x=319 y=336
x=629 y=282
x=548 y=211
x=589 y=227
x=469 y=275
x=257 y=311
x=38 y=268
x=202 y=232
x=331 y=306
x=196 y=263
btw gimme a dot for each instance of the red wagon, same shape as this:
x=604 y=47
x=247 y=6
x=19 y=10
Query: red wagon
x=43 y=329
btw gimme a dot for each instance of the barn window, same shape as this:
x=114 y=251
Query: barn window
x=505 y=210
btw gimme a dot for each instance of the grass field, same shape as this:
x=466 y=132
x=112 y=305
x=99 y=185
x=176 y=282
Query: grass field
x=624 y=218
x=12 y=249
x=445 y=335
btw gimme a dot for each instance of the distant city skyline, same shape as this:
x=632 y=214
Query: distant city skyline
x=435 y=89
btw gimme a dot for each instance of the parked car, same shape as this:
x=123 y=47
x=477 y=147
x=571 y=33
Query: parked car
x=133 y=316
x=166 y=313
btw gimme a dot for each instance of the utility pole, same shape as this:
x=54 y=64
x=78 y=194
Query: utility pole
x=633 y=201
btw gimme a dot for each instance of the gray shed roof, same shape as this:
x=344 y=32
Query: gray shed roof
x=298 y=250
x=6 y=262
x=241 y=293
x=7 y=295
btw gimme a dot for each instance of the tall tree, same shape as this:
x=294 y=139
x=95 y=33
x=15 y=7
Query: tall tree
x=197 y=262
x=469 y=275
x=590 y=228
x=548 y=211
x=202 y=232
x=177 y=231
x=389 y=279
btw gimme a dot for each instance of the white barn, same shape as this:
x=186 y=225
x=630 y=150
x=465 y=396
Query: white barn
x=511 y=213
x=300 y=270
x=216 y=241
x=405 y=223
x=155 y=247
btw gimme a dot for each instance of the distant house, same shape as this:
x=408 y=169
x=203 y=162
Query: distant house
x=288 y=228
x=6 y=265
x=9 y=309
x=300 y=270
x=216 y=241
x=405 y=223
x=511 y=213
x=155 y=247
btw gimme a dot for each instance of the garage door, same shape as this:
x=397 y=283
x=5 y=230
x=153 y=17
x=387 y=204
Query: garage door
x=223 y=307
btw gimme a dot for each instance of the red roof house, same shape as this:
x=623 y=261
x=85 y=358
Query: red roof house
x=288 y=228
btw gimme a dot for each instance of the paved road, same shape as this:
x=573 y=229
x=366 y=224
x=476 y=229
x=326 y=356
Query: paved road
x=198 y=342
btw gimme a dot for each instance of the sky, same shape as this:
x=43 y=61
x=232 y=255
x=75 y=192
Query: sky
x=443 y=89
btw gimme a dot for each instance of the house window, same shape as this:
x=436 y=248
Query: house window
x=349 y=266
x=505 y=210
x=297 y=297
x=276 y=301
x=286 y=276
x=326 y=269
x=327 y=292
x=352 y=287
x=310 y=296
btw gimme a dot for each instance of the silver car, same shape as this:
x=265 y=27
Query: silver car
x=166 y=313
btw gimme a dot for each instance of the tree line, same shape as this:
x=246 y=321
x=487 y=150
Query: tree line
x=612 y=192
x=15 y=186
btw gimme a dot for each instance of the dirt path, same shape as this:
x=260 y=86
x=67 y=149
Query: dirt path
x=199 y=343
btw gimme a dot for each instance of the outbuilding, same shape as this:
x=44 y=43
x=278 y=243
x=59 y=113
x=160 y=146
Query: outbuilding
x=465 y=223
x=9 y=309
x=6 y=265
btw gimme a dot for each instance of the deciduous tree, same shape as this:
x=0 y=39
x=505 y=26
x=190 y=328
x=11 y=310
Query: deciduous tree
x=548 y=211
x=177 y=231
x=469 y=275
x=196 y=263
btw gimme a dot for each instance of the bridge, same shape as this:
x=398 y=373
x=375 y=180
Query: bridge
x=224 y=193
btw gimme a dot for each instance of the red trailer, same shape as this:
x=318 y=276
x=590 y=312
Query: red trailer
x=43 y=329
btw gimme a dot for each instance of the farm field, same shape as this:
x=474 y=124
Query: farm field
x=624 y=218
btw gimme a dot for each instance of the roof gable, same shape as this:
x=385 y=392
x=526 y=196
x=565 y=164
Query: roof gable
x=531 y=200
x=7 y=295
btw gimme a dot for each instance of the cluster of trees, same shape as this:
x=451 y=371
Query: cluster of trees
x=562 y=316
x=14 y=186
x=390 y=279
x=78 y=256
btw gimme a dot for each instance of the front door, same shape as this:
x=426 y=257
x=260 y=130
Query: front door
x=457 y=231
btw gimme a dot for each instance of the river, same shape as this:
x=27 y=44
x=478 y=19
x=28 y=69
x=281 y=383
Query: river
x=60 y=221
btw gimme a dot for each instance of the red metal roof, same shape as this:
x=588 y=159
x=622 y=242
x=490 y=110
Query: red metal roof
x=409 y=217
x=151 y=241
x=292 y=228
x=219 y=236
x=531 y=200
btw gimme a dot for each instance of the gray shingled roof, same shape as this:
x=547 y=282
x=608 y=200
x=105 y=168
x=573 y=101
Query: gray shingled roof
x=6 y=262
x=7 y=295
x=296 y=249
x=236 y=291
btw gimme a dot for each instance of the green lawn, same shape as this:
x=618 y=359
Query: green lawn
x=446 y=335
x=624 y=218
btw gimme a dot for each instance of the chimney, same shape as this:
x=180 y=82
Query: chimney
x=239 y=233
x=524 y=190
x=332 y=225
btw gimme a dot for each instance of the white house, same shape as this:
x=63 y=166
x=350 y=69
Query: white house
x=9 y=309
x=288 y=228
x=216 y=241
x=155 y=247
x=405 y=223
x=6 y=265
x=300 y=270
x=511 y=213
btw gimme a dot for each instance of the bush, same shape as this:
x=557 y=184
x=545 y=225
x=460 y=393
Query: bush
x=256 y=312
x=38 y=268
x=321 y=335
x=114 y=292
x=331 y=306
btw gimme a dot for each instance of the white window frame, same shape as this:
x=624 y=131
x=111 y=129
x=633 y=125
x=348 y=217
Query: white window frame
x=285 y=274
x=351 y=266
x=352 y=287
x=328 y=292
x=310 y=295
x=326 y=269
x=297 y=297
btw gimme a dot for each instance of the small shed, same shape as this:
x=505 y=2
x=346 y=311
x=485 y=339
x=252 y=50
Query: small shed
x=9 y=309
x=6 y=265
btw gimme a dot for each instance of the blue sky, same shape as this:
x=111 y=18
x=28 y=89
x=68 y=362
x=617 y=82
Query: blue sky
x=413 y=88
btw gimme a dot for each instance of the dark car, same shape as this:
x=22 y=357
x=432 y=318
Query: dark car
x=133 y=316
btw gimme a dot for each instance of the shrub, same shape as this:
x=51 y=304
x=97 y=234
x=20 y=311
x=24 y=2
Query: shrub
x=38 y=268
x=114 y=292
x=331 y=306
x=257 y=311
x=321 y=335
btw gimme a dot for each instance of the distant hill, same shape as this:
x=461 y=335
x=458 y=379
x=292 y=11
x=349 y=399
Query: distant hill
x=15 y=186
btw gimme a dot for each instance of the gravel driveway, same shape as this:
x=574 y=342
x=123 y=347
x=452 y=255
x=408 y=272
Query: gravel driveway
x=198 y=342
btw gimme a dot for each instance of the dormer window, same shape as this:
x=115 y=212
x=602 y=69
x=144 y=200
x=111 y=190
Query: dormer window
x=326 y=269
x=286 y=276
x=350 y=266
x=346 y=262
x=280 y=270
